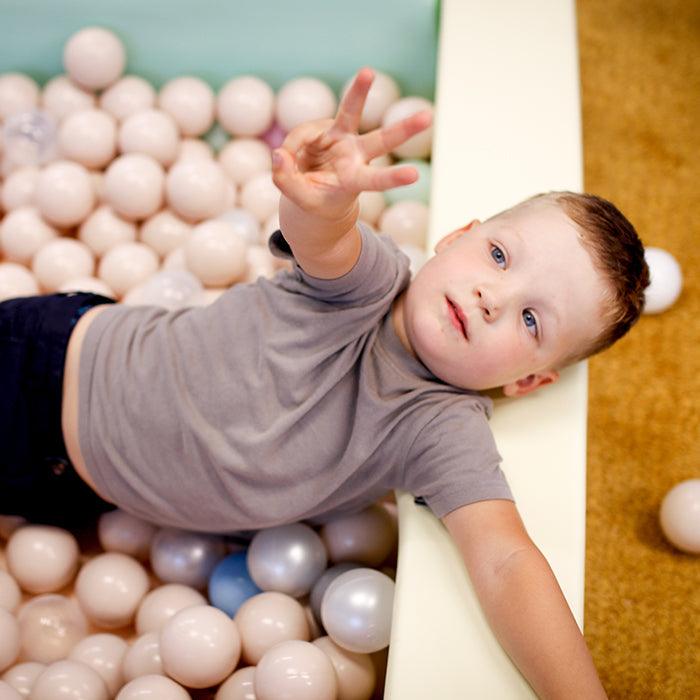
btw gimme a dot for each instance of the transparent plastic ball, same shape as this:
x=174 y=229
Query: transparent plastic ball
x=29 y=138
x=171 y=289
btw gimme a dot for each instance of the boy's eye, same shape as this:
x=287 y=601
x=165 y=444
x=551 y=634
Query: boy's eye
x=530 y=321
x=498 y=255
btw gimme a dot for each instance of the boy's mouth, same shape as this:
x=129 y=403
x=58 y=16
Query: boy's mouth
x=459 y=320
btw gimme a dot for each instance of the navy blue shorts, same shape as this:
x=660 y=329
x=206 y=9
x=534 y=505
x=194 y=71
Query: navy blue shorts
x=37 y=480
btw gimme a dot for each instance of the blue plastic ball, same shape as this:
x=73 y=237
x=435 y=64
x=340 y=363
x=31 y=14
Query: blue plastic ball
x=230 y=584
x=419 y=190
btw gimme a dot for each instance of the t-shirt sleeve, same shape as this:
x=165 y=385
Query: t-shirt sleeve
x=381 y=269
x=454 y=461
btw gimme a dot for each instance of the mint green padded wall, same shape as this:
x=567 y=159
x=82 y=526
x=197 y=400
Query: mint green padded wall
x=217 y=39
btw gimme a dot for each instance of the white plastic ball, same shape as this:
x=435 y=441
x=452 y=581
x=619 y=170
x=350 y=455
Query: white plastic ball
x=215 y=253
x=22 y=233
x=244 y=158
x=153 y=133
x=680 y=516
x=110 y=588
x=302 y=100
x=104 y=654
x=420 y=145
x=60 y=260
x=61 y=97
x=382 y=94
x=94 y=58
x=196 y=189
x=127 y=265
x=9 y=639
x=104 y=229
x=88 y=137
x=16 y=281
x=164 y=232
x=18 y=93
x=153 y=687
x=65 y=193
x=666 y=280
x=134 y=186
x=19 y=188
x=190 y=102
x=260 y=196
x=200 y=646
x=245 y=106
x=69 y=680
x=128 y=96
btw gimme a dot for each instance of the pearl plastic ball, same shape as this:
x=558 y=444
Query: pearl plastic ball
x=22 y=677
x=267 y=619
x=244 y=158
x=110 y=588
x=151 y=132
x=65 y=193
x=16 y=281
x=163 y=603
x=420 y=145
x=190 y=102
x=61 y=97
x=321 y=586
x=127 y=265
x=134 y=186
x=245 y=106
x=302 y=100
x=200 y=646
x=18 y=93
x=215 y=253
x=164 y=232
x=260 y=196
x=143 y=657
x=295 y=670
x=42 y=558
x=62 y=259
x=50 y=626
x=179 y=556
x=9 y=638
x=94 y=58
x=382 y=94
x=666 y=280
x=104 y=229
x=355 y=672
x=155 y=687
x=680 y=516
x=406 y=222
x=69 y=680
x=356 y=610
x=128 y=96
x=88 y=137
x=238 y=686
x=104 y=654
x=119 y=531
x=22 y=233
x=10 y=594
x=196 y=189
x=19 y=188
x=87 y=284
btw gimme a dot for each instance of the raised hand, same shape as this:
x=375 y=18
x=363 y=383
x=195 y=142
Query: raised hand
x=323 y=165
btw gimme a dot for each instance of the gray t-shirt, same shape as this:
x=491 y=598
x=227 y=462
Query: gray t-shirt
x=287 y=399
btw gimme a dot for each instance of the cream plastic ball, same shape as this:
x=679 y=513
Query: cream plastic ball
x=190 y=102
x=420 y=145
x=128 y=96
x=16 y=281
x=238 y=686
x=60 y=260
x=196 y=189
x=216 y=254
x=61 y=97
x=302 y=100
x=245 y=106
x=65 y=193
x=355 y=672
x=127 y=265
x=94 y=58
x=134 y=186
x=22 y=233
x=88 y=137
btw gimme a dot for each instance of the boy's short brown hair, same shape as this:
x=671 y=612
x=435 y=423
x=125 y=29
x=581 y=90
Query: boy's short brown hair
x=617 y=253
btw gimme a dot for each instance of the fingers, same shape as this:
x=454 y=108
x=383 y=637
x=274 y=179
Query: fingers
x=380 y=141
x=380 y=179
x=287 y=177
x=347 y=119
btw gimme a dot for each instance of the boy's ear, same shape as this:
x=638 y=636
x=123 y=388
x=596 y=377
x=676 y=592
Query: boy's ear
x=530 y=383
x=450 y=238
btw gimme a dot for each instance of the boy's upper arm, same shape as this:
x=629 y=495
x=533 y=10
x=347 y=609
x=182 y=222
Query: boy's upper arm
x=487 y=533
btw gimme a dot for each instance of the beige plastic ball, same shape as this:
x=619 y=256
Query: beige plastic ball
x=65 y=193
x=420 y=145
x=103 y=653
x=260 y=196
x=71 y=680
x=16 y=281
x=164 y=232
x=127 y=265
x=195 y=149
x=60 y=260
x=134 y=186
x=372 y=204
x=22 y=233
x=216 y=254
x=19 y=188
x=10 y=594
x=104 y=229
x=245 y=106
x=143 y=657
x=110 y=588
x=7 y=692
x=18 y=93
x=355 y=672
x=304 y=99
x=61 y=97
x=190 y=102
x=239 y=686
x=151 y=132
x=88 y=137
x=128 y=96
x=196 y=189
x=94 y=58
x=244 y=158
x=22 y=677
x=9 y=639
x=163 y=603
x=406 y=222
x=155 y=687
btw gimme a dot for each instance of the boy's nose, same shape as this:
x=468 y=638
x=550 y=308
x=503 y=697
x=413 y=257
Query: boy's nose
x=487 y=302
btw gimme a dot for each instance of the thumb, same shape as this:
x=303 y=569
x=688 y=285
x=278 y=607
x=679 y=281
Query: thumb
x=286 y=177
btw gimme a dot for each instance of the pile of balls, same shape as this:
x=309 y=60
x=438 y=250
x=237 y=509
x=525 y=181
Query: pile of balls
x=165 y=196
x=296 y=612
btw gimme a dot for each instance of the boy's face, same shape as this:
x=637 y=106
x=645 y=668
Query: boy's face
x=523 y=288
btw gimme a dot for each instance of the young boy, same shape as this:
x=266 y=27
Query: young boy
x=317 y=392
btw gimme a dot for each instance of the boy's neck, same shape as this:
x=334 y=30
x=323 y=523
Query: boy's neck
x=399 y=325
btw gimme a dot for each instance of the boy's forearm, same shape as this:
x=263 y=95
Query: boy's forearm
x=325 y=248
x=531 y=618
